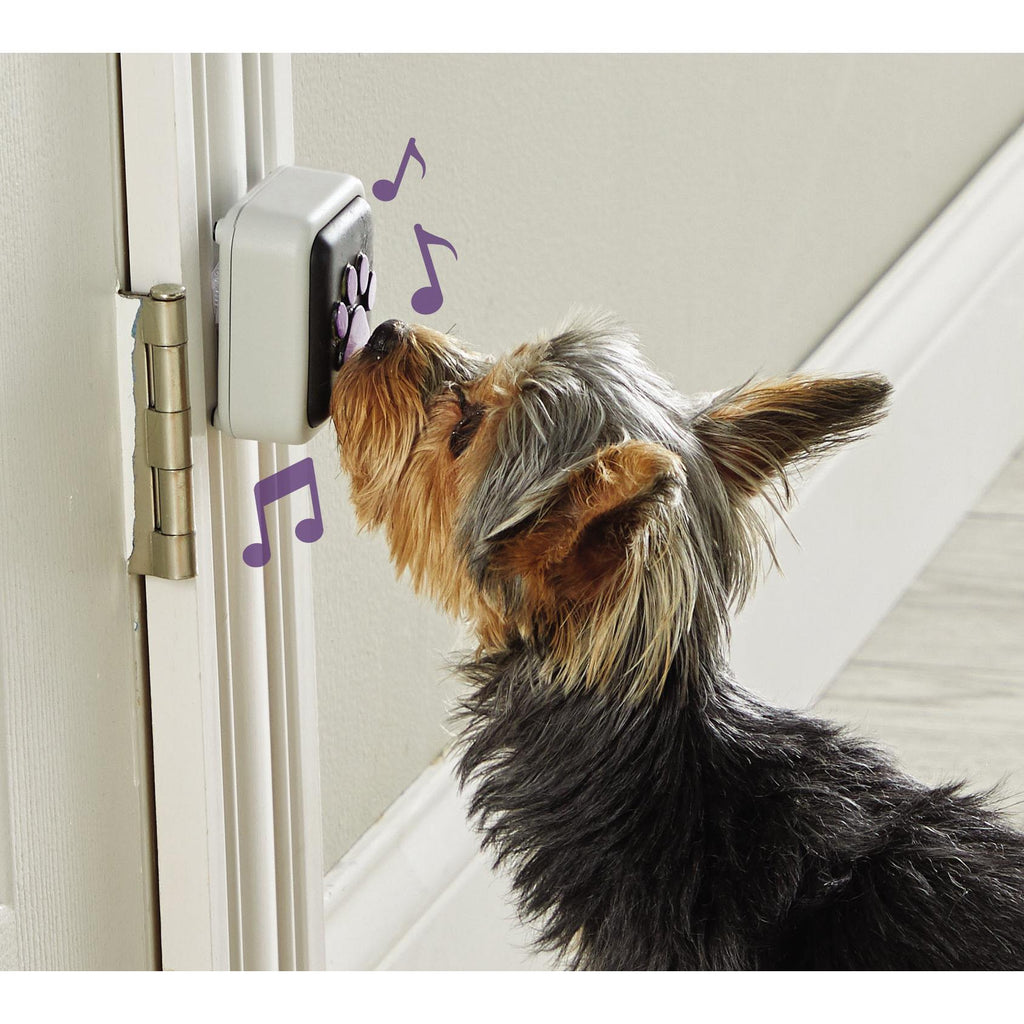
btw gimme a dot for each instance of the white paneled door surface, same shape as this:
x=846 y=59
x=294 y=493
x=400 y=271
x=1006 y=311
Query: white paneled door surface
x=76 y=854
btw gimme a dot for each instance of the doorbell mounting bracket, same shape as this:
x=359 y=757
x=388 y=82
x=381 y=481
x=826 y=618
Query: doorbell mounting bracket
x=286 y=250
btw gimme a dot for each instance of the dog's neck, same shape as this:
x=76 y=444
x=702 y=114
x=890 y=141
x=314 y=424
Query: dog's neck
x=573 y=788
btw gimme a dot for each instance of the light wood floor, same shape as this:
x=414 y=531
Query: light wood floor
x=941 y=681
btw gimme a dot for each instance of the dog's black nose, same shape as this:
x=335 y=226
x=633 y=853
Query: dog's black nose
x=386 y=337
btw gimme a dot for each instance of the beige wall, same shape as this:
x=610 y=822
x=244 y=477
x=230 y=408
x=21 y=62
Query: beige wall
x=73 y=857
x=731 y=208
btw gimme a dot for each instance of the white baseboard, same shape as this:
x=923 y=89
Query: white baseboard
x=471 y=927
x=391 y=877
x=946 y=324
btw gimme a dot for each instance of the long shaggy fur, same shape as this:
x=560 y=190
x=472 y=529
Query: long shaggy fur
x=712 y=831
x=597 y=529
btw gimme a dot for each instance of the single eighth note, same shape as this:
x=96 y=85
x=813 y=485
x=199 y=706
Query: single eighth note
x=386 y=190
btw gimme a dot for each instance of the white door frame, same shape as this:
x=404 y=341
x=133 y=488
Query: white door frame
x=231 y=652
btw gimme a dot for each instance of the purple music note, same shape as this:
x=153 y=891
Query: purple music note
x=428 y=299
x=386 y=190
x=268 y=490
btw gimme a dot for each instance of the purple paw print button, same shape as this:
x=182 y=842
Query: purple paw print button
x=350 y=319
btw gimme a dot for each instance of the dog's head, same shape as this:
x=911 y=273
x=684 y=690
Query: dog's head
x=564 y=496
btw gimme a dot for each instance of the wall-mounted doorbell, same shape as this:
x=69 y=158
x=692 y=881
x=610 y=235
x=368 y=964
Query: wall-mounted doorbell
x=295 y=287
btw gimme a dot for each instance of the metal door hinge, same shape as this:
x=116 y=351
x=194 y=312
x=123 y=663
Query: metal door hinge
x=164 y=536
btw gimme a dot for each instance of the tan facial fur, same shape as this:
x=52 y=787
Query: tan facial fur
x=403 y=474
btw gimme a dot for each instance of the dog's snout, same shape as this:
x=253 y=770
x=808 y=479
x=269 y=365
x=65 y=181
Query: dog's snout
x=386 y=337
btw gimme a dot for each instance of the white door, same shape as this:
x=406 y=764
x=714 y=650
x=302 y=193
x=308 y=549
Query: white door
x=76 y=852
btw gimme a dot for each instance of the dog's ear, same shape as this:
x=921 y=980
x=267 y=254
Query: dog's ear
x=578 y=537
x=604 y=569
x=755 y=432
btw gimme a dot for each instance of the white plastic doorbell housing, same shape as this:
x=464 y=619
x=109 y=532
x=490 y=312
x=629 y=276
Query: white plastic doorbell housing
x=294 y=255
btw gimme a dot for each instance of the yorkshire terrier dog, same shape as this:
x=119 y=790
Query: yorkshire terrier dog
x=596 y=529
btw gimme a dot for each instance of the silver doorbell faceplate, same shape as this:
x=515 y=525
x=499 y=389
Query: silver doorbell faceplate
x=284 y=249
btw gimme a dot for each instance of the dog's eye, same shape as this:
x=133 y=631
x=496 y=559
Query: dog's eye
x=472 y=417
